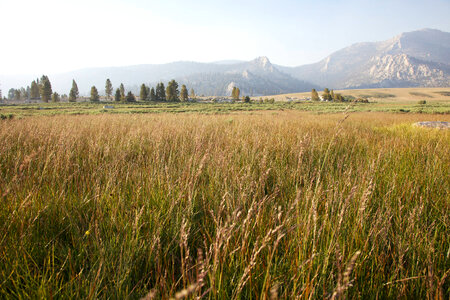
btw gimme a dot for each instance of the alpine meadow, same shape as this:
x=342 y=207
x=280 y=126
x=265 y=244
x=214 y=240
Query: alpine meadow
x=160 y=156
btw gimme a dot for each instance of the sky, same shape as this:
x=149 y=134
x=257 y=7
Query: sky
x=51 y=36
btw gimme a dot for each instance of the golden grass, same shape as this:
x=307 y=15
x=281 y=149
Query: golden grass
x=286 y=204
x=401 y=95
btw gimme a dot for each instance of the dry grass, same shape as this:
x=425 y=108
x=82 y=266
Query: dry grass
x=286 y=205
x=382 y=95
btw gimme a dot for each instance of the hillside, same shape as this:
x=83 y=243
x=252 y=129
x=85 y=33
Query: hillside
x=413 y=59
x=419 y=58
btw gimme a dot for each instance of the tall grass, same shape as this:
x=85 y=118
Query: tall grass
x=285 y=205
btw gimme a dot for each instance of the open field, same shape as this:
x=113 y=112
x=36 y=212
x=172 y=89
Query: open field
x=227 y=206
x=387 y=95
x=435 y=106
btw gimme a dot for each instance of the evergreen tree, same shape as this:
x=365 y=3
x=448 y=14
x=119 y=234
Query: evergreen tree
x=192 y=93
x=11 y=93
x=94 y=94
x=160 y=92
x=332 y=95
x=183 y=93
x=152 y=96
x=73 y=94
x=108 y=89
x=326 y=94
x=144 y=93
x=172 y=92
x=55 y=97
x=314 y=95
x=117 y=96
x=23 y=94
x=34 y=90
x=130 y=97
x=16 y=95
x=122 y=92
x=45 y=89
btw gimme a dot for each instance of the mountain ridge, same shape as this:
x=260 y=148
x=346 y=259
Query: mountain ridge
x=410 y=59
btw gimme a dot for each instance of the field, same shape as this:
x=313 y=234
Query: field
x=224 y=201
x=388 y=95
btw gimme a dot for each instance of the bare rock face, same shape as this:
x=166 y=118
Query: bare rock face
x=418 y=58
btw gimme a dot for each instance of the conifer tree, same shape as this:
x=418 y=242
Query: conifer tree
x=160 y=92
x=94 y=94
x=45 y=89
x=17 y=95
x=55 y=97
x=314 y=95
x=108 y=89
x=122 y=92
x=117 y=96
x=152 y=95
x=172 y=92
x=144 y=93
x=183 y=93
x=73 y=94
x=34 y=90
x=326 y=94
x=192 y=93
x=130 y=97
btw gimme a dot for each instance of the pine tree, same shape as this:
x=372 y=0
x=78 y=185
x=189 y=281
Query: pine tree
x=326 y=94
x=73 y=94
x=314 y=95
x=23 y=94
x=45 y=89
x=34 y=90
x=152 y=95
x=172 y=92
x=143 y=94
x=94 y=94
x=17 y=95
x=117 y=96
x=192 y=94
x=122 y=92
x=130 y=97
x=108 y=89
x=160 y=92
x=183 y=93
x=55 y=97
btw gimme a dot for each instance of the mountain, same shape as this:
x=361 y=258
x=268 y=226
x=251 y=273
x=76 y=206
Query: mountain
x=257 y=78
x=418 y=58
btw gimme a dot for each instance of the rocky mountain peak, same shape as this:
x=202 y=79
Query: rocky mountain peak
x=263 y=62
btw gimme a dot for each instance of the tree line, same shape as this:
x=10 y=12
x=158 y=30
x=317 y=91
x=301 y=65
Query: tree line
x=41 y=89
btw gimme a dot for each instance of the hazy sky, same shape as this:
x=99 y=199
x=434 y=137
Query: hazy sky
x=49 y=36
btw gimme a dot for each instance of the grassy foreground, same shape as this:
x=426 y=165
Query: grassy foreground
x=274 y=204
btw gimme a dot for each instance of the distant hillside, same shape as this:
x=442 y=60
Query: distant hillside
x=414 y=59
x=419 y=58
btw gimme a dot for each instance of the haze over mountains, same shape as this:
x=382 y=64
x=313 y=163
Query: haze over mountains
x=419 y=58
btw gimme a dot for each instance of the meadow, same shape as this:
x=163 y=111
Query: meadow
x=244 y=205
